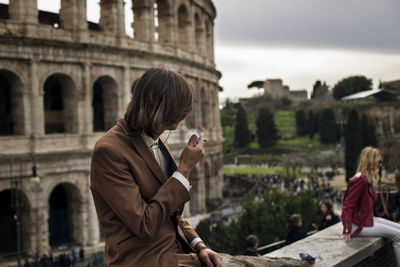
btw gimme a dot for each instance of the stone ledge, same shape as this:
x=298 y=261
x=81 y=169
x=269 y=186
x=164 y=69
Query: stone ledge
x=329 y=248
x=247 y=261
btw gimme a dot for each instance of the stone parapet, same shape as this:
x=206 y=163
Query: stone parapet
x=329 y=249
x=247 y=261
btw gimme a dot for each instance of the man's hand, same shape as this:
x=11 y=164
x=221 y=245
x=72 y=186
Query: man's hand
x=210 y=258
x=192 y=154
x=347 y=237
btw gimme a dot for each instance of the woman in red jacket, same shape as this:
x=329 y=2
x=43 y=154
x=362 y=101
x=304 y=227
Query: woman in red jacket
x=359 y=212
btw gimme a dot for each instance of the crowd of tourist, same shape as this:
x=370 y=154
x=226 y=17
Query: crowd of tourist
x=68 y=258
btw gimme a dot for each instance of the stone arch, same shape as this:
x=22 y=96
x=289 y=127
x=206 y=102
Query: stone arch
x=163 y=17
x=183 y=27
x=49 y=18
x=207 y=183
x=199 y=34
x=104 y=103
x=11 y=104
x=208 y=38
x=60 y=104
x=8 y=226
x=197 y=196
x=204 y=108
x=65 y=211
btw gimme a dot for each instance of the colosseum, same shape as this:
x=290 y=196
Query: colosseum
x=64 y=82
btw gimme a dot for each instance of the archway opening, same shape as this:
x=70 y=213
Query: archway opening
x=60 y=115
x=11 y=104
x=183 y=27
x=105 y=104
x=10 y=201
x=204 y=111
x=64 y=215
x=162 y=21
x=199 y=35
x=207 y=180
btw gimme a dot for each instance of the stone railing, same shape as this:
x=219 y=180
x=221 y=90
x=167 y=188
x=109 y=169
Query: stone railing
x=329 y=249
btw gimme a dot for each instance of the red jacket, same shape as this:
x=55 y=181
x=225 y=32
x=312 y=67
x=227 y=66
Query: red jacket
x=358 y=205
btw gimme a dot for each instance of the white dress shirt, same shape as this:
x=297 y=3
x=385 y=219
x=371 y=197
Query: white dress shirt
x=153 y=146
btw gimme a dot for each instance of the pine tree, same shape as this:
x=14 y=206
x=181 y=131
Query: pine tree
x=267 y=133
x=312 y=124
x=368 y=133
x=301 y=123
x=329 y=132
x=353 y=145
x=242 y=133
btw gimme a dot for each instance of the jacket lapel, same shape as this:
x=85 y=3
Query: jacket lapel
x=167 y=155
x=142 y=149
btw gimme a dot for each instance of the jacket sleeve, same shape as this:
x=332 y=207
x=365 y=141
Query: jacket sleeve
x=187 y=230
x=112 y=180
x=354 y=191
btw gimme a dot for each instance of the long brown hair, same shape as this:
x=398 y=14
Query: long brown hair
x=161 y=97
x=369 y=164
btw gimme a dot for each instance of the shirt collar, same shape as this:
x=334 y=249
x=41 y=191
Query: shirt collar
x=148 y=140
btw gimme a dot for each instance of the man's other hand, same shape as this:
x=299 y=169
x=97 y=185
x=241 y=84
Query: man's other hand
x=210 y=258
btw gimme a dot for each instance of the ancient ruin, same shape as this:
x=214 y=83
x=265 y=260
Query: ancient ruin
x=65 y=81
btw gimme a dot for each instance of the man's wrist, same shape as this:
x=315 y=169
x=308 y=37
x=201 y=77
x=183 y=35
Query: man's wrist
x=199 y=247
x=184 y=171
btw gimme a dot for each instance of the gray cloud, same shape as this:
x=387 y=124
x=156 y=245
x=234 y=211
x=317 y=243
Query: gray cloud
x=346 y=24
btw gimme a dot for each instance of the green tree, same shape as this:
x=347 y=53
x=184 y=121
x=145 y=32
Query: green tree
x=312 y=124
x=266 y=217
x=301 y=123
x=285 y=101
x=242 y=133
x=267 y=133
x=351 y=85
x=316 y=85
x=353 y=145
x=228 y=113
x=329 y=131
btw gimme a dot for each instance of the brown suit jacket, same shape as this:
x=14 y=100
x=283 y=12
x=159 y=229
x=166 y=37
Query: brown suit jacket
x=136 y=203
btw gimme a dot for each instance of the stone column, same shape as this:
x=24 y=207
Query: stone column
x=73 y=15
x=165 y=23
x=23 y=10
x=37 y=108
x=126 y=91
x=143 y=24
x=87 y=102
x=41 y=211
x=93 y=230
x=112 y=17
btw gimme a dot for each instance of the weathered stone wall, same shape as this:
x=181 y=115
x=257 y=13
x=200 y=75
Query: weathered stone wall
x=329 y=249
x=38 y=48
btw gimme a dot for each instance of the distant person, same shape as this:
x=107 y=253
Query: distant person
x=252 y=245
x=328 y=217
x=296 y=232
x=81 y=254
x=359 y=216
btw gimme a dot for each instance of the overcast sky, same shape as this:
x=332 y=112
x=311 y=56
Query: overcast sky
x=301 y=41
x=298 y=41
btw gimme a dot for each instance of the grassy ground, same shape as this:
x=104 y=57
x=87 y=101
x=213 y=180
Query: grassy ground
x=286 y=123
x=254 y=170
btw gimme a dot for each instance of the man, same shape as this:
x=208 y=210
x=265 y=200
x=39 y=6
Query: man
x=138 y=190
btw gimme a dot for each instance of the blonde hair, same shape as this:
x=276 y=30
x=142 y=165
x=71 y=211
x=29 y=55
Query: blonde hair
x=369 y=164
